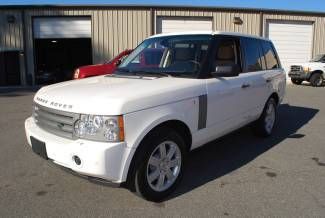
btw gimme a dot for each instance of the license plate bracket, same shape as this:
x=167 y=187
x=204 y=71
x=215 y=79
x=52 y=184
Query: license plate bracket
x=39 y=147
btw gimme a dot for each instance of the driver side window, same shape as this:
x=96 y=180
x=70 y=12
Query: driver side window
x=227 y=54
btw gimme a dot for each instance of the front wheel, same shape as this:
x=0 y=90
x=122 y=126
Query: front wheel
x=296 y=81
x=265 y=124
x=163 y=160
x=316 y=79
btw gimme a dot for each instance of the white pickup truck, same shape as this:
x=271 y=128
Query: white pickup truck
x=312 y=71
x=136 y=126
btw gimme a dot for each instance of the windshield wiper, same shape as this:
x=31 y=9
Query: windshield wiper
x=142 y=72
x=149 y=73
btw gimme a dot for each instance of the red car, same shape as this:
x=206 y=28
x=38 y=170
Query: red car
x=100 y=69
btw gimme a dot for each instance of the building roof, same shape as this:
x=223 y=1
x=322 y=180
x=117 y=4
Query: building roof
x=153 y=6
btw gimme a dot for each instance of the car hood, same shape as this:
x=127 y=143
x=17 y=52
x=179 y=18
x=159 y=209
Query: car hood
x=309 y=64
x=113 y=95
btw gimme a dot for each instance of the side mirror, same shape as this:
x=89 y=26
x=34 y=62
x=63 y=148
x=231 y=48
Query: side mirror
x=226 y=71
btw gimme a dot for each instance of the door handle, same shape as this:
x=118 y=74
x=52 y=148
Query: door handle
x=244 y=86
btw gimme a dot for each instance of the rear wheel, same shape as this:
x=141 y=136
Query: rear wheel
x=296 y=81
x=265 y=124
x=163 y=157
x=316 y=79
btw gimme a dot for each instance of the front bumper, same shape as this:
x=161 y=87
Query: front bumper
x=100 y=160
x=299 y=75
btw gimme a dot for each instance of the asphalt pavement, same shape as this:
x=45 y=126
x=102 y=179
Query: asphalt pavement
x=237 y=176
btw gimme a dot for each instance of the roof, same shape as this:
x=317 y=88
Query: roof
x=208 y=33
x=155 y=6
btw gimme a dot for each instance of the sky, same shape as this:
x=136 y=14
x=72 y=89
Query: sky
x=300 y=5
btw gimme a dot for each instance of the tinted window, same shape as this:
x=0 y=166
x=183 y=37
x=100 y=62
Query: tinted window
x=269 y=56
x=253 y=55
x=227 y=53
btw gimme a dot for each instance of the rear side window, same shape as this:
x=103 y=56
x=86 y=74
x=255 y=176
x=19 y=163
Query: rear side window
x=253 y=59
x=269 y=56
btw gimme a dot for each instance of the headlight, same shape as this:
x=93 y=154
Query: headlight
x=306 y=69
x=100 y=128
x=76 y=74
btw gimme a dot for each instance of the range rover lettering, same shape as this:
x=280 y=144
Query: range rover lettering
x=136 y=127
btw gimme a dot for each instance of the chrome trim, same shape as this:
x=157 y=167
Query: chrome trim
x=60 y=123
x=296 y=68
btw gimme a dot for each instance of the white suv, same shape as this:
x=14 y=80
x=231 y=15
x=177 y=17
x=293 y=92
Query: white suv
x=312 y=71
x=136 y=127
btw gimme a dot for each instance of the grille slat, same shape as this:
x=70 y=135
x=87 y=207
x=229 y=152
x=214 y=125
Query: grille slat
x=57 y=122
x=55 y=117
x=55 y=125
x=296 y=68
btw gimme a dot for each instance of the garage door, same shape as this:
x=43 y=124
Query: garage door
x=168 y=25
x=62 y=27
x=292 y=40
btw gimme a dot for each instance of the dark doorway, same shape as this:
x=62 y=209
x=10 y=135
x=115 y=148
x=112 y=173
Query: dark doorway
x=56 y=59
x=9 y=68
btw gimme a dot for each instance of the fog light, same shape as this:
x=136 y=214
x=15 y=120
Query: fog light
x=76 y=160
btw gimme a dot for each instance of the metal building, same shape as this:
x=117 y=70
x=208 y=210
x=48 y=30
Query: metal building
x=34 y=39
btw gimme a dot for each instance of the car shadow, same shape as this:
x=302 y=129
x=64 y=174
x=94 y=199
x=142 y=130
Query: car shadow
x=222 y=156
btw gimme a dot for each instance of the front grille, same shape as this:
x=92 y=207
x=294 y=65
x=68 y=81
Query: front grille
x=54 y=121
x=296 y=68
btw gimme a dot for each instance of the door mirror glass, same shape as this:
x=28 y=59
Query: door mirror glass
x=226 y=71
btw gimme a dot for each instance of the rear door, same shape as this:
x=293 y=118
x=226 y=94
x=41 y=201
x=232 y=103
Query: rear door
x=254 y=75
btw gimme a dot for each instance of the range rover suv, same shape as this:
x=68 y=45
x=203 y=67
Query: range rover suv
x=136 y=127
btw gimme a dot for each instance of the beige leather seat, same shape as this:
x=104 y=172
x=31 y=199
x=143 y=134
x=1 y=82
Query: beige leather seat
x=226 y=55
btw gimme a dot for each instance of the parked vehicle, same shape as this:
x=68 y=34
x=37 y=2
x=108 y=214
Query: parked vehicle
x=100 y=69
x=136 y=126
x=312 y=71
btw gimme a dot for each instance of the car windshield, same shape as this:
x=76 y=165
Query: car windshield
x=318 y=58
x=181 y=55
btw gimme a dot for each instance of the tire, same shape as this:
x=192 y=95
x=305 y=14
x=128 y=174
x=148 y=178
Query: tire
x=265 y=124
x=296 y=81
x=316 y=79
x=152 y=164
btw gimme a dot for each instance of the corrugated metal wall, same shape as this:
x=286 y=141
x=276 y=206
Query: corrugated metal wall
x=318 y=24
x=11 y=34
x=222 y=21
x=115 y=29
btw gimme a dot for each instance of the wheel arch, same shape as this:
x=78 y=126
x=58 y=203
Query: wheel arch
x=276 y=97
x=178 y=125
x=314 y=72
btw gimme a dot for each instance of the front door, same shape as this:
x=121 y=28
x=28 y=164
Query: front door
x=226 y=96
